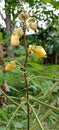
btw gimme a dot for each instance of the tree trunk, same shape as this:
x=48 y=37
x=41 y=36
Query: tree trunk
x=8 y=23
x=56 y=58
x=8 y=31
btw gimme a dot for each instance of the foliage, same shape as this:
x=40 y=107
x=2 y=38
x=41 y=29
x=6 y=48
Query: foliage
x=41 y=82
x=53 y=2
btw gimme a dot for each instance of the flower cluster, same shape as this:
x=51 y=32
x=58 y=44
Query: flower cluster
x=39 y=50
x=30 y=23
x=18 y=32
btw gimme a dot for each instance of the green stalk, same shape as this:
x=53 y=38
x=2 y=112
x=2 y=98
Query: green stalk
x=44 y=77
x=45 y=104
x=11 y=100
x=39 y=123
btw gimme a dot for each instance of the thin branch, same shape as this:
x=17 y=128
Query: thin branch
x=11 y=100
x=44 y=77
x=2 y=16
x=45 y=104
x=38 y=111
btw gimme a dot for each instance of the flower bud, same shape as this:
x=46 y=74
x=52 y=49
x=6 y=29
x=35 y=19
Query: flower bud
x=10 y=66
x=32 y=19
x=33 y=26
x=15 y=40
x=23 y=16
x=30 y=49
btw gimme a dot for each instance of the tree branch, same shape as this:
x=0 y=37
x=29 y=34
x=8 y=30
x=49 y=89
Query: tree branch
x=2 y=16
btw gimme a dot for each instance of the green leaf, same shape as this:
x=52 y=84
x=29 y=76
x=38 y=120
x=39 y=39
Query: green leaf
x=1 y=36
x=36 y=65
x=19 y=51
x=34 y=71
x=56 y=4
x=52 y=75
x=52 y=71
x=46 y=86
x=14 y=89
x=18 y=125
x=51 y=67
x=46 y=1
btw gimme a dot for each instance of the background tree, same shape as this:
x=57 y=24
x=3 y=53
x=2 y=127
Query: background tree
x=9 y=8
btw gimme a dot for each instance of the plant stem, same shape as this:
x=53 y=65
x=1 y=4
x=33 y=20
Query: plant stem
x=45 y=77
x=25 y=76
x=45 y=104
x=11 y=100
x=37 y=117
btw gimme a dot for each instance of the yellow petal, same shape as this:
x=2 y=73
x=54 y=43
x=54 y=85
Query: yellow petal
x=40 y=52
x=10 y=66
x=18 y=31
x=33 y=26
x=32 y=19
x=23 y=16
x=14 y=40
x=30 y=49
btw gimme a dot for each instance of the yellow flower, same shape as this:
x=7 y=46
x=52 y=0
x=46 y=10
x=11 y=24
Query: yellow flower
x=32 y=19
x=23 y=16
x=15 y=40
x=18 y=31
x=32 y=23
x=30 y=49
x=10 y=66
x=40 y=52
x=33 y=26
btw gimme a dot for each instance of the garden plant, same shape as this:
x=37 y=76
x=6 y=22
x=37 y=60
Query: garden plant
x=34 y=104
